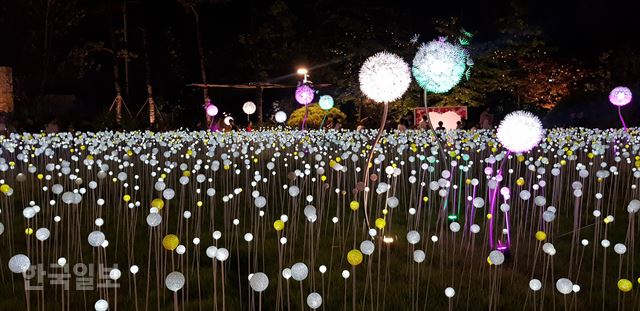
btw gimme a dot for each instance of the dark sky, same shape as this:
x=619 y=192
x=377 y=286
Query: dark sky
x=579 y=29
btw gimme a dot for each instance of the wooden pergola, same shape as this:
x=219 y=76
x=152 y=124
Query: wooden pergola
x=259 y=87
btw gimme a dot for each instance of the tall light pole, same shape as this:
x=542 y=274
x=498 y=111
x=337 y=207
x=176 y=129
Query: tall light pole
x=305 y=74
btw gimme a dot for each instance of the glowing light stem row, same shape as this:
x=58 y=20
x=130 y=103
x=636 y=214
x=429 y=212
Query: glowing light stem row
x=493 y=195
x=367 y=169
x=622 y=120
x=323 y=119
x=306 y=114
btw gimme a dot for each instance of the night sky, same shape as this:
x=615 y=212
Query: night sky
x=579 y=30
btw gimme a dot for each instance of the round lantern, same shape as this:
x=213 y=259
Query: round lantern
x=620 y=96
x=304 y=94
x=326 y=102
x=211 y=110
x=249 y=107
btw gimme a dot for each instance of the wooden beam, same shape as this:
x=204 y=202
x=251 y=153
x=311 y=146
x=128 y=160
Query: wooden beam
x=253 y=86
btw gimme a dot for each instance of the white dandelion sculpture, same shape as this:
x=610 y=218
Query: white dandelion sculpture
x=520 y=131
x=384 y=77
x=439 y=65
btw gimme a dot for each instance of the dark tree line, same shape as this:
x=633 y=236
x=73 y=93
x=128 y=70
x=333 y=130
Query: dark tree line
x=131 y=54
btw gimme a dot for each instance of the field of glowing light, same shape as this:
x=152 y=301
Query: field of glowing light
x=292 y=220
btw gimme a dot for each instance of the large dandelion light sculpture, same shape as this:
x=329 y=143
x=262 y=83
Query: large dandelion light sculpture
x=520 y=131
x=439 y=65
x=326 y=102
x=304 y=94
x=620 y=96
x=384 y=77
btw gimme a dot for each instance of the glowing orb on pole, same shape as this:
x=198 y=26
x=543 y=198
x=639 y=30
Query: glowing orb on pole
x=211 y=110
x=326 y=102
x=520 y=131
x=304 y=94
x=620 y=96
x=439 y=65
x=281 y=116
x=249 y=108
x=384 y=77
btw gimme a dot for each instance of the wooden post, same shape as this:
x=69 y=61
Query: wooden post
x=6 y=89
x=259 y=89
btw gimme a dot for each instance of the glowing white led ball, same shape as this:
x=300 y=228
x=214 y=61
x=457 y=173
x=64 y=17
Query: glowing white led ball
x=281 y=116
x=384 y=77
x=228 y=120
x=520 y=131
x=449 y=292
x=259 y=282
x=314 y=300
x=96 y=238
x=174 y=281
x=249 y=107
x=299 y=271
x=439 y=65
x=535 y=285
x=564 y=286
x=19 y=263
x=101 y=305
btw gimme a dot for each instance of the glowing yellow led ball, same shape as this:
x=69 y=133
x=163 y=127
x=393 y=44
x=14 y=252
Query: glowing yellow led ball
x=354 y=205
x=354 y=257
x=625 y=285
x=380 y=223
x=170 y=242
x=278 y=225
x=28 y=231
x=157 y=203
x=520 y=181
x=5 y=188
x=126 y=198
x=541 y=236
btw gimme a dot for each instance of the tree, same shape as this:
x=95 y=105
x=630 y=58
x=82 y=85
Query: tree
x=191 y=6
x=315 y=116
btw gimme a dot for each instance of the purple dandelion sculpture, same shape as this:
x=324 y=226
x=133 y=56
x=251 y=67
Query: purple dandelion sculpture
x=304 y=96
x=620 y=96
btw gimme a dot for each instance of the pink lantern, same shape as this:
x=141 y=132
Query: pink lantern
x=212 y=110
x=620 y=96
x=304 y=94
